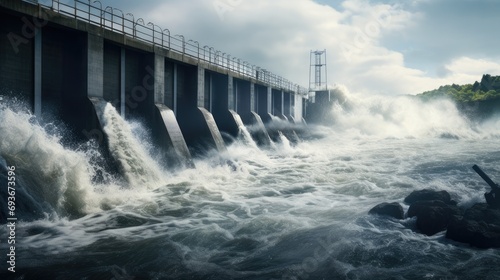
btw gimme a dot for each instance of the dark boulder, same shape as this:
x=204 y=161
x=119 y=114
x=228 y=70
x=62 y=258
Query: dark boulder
x=479 y=227
x=394 y=210
x=427 y=195
x=432 y=216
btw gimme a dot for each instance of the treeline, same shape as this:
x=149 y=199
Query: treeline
x=487 y=89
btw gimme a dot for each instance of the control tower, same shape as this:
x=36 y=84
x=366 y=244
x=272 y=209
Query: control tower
x=319 y=94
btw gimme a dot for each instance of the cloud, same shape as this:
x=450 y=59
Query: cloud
x=446 y=30
x=468 y=70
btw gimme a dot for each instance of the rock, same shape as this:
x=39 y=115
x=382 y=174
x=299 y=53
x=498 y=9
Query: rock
x=427 y=195
x=432 y=216
x=394 y=210
x=479 y=227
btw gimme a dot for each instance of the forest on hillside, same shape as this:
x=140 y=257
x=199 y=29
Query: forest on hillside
x=487 y=89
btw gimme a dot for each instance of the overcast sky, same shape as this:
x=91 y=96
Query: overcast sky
x=377 y=46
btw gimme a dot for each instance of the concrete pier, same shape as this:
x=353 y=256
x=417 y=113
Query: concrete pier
x=95 y=66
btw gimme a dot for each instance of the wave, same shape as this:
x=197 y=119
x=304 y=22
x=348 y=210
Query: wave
x=138 y=168
x=72 y=182
x=54 y=175
x=403 y=117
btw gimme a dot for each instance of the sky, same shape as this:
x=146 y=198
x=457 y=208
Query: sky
x=385 y=47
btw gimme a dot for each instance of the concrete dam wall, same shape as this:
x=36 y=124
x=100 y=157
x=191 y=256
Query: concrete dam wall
x=68 y=62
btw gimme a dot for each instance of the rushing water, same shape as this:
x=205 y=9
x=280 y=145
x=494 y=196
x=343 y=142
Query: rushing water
x=289 y=211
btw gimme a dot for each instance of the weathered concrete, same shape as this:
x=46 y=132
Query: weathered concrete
x=319 y=111
x=269 y=100
x=159 y=79
x=168 y=135
x=201 y=88
x=231 y=93
x=298 y=108
x=95 y=66
x=253 y=103
x=175 y=149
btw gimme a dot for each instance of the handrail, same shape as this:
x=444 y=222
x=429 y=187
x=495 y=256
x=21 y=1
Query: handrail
x=86 y=11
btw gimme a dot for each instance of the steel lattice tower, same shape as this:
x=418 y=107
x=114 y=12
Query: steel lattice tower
x=318 y=81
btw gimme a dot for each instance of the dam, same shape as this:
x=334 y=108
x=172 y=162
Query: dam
x=67 y=61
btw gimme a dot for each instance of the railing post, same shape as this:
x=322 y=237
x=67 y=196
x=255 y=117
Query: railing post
x=153 y=25
x=133 y=20
x=89 y=10
x=123 y=20
x=105 y=10
x=205 y=53
x=183 y=43
x=168 y=37
x=217 y=55
x=100 y=11
x=210 y=54
x=197 y=46
x=135 y=26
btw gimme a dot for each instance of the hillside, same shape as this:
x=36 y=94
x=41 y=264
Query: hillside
x=487 y=89
x=477 y=101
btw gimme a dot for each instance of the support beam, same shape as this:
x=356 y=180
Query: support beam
x=201 y=87
x=167 y=131
x=211 y=93
x=95 y=66
x=282 y=102
x=175 y=89
x=298 y=108
x=252 y=97
x=230 y=93
x=269 y=99
x=159 y=84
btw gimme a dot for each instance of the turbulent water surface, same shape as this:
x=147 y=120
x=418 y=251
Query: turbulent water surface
x=289 y=211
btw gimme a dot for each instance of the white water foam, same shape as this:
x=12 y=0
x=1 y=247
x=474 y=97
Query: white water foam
x=244 y=133
x=139 y=169
x=297 y=211
x=402 y=117
x=62 y=177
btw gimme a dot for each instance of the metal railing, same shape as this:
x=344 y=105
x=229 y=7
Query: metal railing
x=118 y=21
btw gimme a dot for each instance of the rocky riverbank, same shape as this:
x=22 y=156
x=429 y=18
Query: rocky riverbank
x=435 y=212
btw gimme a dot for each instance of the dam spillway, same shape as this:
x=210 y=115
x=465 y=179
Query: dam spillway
x=62 y=60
